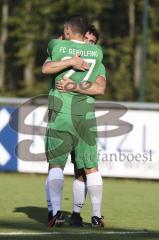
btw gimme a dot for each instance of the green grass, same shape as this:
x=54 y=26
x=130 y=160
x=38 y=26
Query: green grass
x=128 y=205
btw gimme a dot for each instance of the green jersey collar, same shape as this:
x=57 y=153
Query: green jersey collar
x=77 y=41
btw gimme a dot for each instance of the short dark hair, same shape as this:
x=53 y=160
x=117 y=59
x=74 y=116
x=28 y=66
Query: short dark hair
x=93 y=30
x=78 y=24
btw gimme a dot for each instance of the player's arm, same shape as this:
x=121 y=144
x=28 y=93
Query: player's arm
x=92 y=88
x=52 y=67
x=89 y=88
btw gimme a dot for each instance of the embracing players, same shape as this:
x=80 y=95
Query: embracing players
x=68 y=128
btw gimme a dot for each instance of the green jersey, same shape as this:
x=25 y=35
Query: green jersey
x=73 y=102
x=102 y=71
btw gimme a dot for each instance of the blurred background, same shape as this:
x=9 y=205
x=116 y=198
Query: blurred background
x=129 y=35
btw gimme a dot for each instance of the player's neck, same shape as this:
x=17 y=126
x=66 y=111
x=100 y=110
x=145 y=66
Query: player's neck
x=77 y=37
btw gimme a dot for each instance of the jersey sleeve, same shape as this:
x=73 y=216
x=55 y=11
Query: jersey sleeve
x=100 y=52
x=102 y=71
x=51 y=46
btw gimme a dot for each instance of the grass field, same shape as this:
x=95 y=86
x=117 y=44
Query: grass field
x=130 y=207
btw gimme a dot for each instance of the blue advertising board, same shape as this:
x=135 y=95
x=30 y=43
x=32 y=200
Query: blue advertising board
x=8 y=141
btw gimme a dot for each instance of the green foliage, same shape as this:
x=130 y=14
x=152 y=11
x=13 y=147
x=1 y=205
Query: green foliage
x=33 y=23
x=152 y=73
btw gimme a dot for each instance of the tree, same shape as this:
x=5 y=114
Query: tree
x=3 y=40
x=27 y=27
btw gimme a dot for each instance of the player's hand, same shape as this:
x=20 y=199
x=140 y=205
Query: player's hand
x=79 y=64
x=66 y=85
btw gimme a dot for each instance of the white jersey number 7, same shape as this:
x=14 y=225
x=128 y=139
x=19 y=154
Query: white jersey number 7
x=92 y=63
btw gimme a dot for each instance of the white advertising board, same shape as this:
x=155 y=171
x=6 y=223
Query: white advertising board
x=132 y=155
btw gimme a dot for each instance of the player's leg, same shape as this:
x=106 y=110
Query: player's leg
x=51 y=203
x=48 y=196
x=79 y=186
x=58 y=145
x=48 y=200
x=86 y=157
x=55 y=183
x=95 y=190
x=79 y=193
x=47 y=193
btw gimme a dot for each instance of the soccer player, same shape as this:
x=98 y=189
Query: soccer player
x=79 y=185
x=62 y=127
x=91 y=35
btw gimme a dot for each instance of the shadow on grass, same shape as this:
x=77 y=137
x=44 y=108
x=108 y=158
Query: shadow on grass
x=37 y=219
x=40 y=214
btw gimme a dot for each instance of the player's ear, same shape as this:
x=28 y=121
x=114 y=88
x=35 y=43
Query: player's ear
x=66 y=31
x=66 y=28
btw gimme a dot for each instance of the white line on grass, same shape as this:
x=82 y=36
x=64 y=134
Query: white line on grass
x=73 y=233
